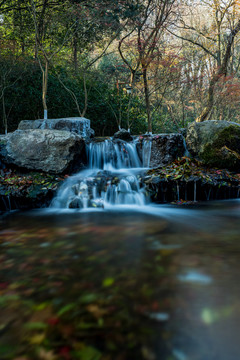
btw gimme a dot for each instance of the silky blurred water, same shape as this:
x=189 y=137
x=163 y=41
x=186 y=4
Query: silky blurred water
x=160 y=282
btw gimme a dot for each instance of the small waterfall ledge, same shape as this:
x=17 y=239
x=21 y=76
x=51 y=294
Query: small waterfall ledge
x=120 y=173
x=112 y=179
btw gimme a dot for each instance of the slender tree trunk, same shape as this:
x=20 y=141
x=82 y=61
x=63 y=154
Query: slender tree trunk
x=132 y=84
x=207 y=110
x=72 y=94
x=85 y=95
x=4 y=114
x=44 y=88
x=120 y=112
x=147 y=102
x=23 y=48
x=75 y=54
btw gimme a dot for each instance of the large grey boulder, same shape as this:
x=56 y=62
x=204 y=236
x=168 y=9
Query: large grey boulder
x=165 y=149
x=43 y=150
x=78 y=125
x=216 y=143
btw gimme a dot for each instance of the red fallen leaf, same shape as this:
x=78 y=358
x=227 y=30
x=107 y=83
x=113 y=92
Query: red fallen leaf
x=65 y=352
x=3 y=286
x=155 y=305
x=53 y=321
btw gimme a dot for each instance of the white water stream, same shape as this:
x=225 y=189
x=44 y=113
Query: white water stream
x=112 y=179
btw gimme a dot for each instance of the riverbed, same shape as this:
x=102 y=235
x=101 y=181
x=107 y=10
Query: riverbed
x=157 y=282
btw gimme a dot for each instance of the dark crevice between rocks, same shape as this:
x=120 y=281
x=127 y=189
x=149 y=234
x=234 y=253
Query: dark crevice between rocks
x=38 y=200
x=194 y=191
x=189 y=180
x=27 y=189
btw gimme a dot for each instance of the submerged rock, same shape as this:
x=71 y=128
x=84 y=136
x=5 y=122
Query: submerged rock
x=44 y=150
x=78 y=125
x=76 y=203
x=216 y=143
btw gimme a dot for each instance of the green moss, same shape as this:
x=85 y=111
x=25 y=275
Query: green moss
x=224 y=151
x=229 y=137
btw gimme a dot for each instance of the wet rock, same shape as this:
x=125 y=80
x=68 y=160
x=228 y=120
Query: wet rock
x=97 y=203
x=3 y=150
x=100 y=139
x=44 y=150
x=123 y=135
x=216 y=143
x=78 y=125
x=132 y=181
x=166 y=148
x=183 y=131
x=164 y=190
x=75 y=189
x=229 y=157
x=76 y=203
x=38 y=198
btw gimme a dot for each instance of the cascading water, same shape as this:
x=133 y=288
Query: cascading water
x=113 y=178
x=108 y=155
x=146 y=152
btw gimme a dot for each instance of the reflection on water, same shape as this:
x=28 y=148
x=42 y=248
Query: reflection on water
x=195 y=277
x=121 y=284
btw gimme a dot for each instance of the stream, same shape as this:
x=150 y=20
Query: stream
x=158 y=283
x=104 y=275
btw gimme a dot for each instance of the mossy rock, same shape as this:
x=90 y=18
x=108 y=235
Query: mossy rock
x=224 y=151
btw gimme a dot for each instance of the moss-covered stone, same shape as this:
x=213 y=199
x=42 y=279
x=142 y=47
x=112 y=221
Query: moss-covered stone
x=224 y=152
x=216 y=143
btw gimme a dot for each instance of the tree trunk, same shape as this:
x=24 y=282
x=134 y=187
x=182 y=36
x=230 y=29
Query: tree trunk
x=132 y=84
x=85 y=95
x=75 y=54
x=44 y=88
x=147 y=102
x=207 y=110
x=4 y=114
x=120 y=112
x=221 y=72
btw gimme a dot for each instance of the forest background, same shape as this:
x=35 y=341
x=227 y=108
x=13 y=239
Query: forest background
x=143 y=65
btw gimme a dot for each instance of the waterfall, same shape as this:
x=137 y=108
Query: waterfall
x=147 y=147
x=195 y=191
x=186 y=152
x=178 y=192
x=112 y=178
x=108 y=155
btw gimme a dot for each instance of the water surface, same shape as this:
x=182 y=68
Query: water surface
x=158 y=284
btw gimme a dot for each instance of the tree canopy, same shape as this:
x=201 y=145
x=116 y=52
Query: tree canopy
x=146 y=65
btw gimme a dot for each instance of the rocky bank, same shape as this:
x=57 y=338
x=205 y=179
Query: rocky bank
x=36 y=158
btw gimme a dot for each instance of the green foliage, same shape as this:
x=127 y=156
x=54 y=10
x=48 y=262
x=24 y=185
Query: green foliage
x=16 y=184
x=23 y=97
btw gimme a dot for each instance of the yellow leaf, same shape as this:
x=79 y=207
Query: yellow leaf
x=96 y=310
x=108 y=282
x=37 y=339
x=46 y=355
